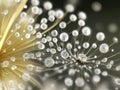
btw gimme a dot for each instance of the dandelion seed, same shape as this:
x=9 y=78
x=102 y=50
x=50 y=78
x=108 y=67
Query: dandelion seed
x=19 y=36
x=59 y=47
x=74 y=55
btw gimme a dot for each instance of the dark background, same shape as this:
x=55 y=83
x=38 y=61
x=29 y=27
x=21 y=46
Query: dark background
x=110 y=13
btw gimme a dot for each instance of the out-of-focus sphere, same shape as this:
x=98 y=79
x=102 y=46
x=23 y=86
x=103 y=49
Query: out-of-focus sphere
x=35 y=2
x=44 y=26
x=79 y=82
x=51 y=12
x=82 y=15
x=100 y=36
x=75 y=33
x=44 y=20
x=115 y=40
x=86 y=31
x=69 y=8
x=35 y=10
x=86 y=45
x=94 y=45
x=96 y=6
x=54 y=33
x=48 y=5
x=73 y=17
x=68 y=82
x=49 y=62
x=64 y=37
x=104 y=48
x=64 y=54
x=112 y=27
x=69 y=46
x=96 y=78
x=117 y=81
x=62 y=25
x=41 y=46
x=59 y=14
x=81 y=23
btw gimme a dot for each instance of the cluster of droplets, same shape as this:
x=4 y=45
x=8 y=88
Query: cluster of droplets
x=26 y=33
x=76 y=60
x=74 y=55
x=66 y=49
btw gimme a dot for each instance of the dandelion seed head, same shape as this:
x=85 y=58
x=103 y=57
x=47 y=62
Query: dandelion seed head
x=74 y=55
x=61 y=44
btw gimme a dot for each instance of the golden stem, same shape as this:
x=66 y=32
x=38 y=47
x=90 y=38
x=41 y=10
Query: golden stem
x=13 y=18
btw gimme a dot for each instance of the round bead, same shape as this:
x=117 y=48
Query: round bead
x=104 y=48
x=86 y=31
x=82 y=15
x=69 y=8
x=79 y=82
x=64 y=37
x=48 y=5
x=49 y=62
x=100 y=36
x=68 y=82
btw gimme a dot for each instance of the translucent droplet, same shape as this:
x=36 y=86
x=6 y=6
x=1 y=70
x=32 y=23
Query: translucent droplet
x=100 y=36
x=64 y=37
x=64 y=54
x=96 y=78
x=79 y=82
x=86 y=31
x=68 y=82
x=104 y=48
x=49 y=62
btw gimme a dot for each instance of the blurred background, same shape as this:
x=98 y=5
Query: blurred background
x=103 y=15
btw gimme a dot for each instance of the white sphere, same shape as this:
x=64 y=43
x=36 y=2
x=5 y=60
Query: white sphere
x=68 y=82
x=104 y=48
x=96 y=78
x=79 y=82
x=38 y=35
x=75 y=33
x=17 y=1
x=97 y=71
x=117 y=81
x=100 y=36
x=86 y=31
x=51 y=18
x=44 y=26
x=35 y=10
x=96 y=6
x=62 y=25
x=69 y=8
x=71 y=72
x=35 y=2
x=82 y=15
x=51 y=12
x=54 y=33
x=48 y=5
x=49 y=62
x=73 y=17
x=41 y=46
x=44 y=20
x=86 y=45
x=81 y=23
x=64 y=37
x=27 y=35
x=64 y=54
x=69 y=46
x=59 y=14
x=115 y=40
x=94 y=45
